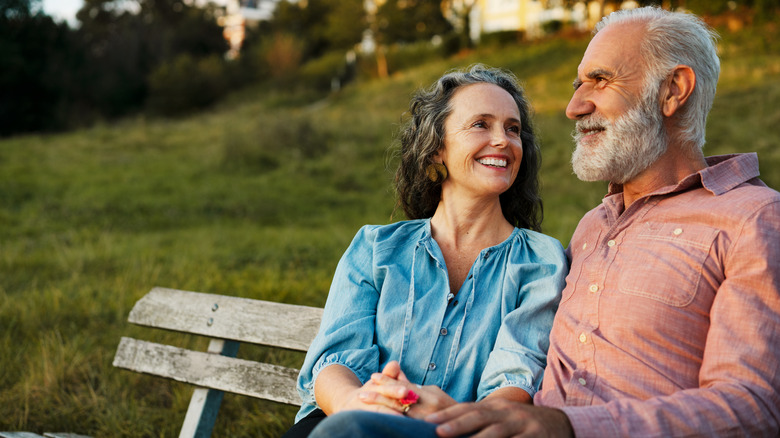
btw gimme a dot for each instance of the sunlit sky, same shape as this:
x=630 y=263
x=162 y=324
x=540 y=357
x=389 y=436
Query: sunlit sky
x=62 y=9
x=66 y=9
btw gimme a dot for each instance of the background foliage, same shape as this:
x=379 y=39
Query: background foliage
x=257 y=197
x=166 y=57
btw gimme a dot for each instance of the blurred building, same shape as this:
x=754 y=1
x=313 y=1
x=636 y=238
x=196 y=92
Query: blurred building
x=530 y=18
x=238 y=15
x=533 y=18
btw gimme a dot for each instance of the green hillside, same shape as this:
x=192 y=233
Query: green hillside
x=255 y=198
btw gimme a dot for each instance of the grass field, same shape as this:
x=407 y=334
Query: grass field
x=255 y=198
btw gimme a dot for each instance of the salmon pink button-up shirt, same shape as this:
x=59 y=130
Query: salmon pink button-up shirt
x=669 y=325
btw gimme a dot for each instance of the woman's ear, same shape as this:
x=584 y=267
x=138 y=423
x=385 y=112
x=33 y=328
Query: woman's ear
x=679 y=88
x=438 y=157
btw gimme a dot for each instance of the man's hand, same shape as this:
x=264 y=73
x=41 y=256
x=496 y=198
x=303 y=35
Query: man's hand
x=501 y=418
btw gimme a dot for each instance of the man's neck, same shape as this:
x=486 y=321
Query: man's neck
x=671 y=168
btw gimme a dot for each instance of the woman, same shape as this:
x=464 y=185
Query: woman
x=461 y=296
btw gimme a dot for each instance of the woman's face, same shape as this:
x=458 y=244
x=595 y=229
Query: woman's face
x=482 y=146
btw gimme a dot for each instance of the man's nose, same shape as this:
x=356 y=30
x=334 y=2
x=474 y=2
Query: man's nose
x=579 y=105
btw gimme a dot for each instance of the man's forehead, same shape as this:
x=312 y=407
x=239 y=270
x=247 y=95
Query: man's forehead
x=614 y=48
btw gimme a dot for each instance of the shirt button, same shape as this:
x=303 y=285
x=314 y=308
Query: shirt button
x=443 y=331
x=582 y=381
x=677 y=231
x=583 y=338
x=611 y=243
x=593 y=288
x=431 y=366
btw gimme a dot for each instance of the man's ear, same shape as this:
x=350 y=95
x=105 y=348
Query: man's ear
x=679 y=88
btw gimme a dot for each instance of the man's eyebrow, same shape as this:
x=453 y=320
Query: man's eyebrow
x=599 y=72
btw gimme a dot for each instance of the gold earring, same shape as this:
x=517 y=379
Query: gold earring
x=437 y=172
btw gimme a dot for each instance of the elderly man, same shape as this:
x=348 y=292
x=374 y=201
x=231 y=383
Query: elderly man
x=670 y=321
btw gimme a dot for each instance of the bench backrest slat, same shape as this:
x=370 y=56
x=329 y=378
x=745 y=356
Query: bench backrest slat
x=254 y=379
x=245 y=320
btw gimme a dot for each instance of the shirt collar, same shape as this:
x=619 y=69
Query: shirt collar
x=724 y=172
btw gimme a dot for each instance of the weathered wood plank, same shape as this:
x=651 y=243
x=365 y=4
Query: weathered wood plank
x=218 y=316
x=63 y=435
x=19 y=435
x=254 y=379
x=46 y=434
x=204 y=404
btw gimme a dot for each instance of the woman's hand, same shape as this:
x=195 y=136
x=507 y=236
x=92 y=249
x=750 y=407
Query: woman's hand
x=391 y=385
x=369 y=398
x=338 y=389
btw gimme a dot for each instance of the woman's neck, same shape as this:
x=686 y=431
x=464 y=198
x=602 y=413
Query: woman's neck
x=469 y=224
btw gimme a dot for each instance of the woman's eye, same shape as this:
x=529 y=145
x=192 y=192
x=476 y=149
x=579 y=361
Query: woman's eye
x=480 y=124
x=514 y=129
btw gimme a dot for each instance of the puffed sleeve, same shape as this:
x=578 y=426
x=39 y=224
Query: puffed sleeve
x=346 y=335
x=519 y=356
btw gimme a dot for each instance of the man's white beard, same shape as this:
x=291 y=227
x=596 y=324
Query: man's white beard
x=625 y=148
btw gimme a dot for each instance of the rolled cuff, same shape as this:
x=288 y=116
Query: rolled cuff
x=591 y=421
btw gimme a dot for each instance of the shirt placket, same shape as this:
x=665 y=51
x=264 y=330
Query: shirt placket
x=445 y=353
x=593 y=282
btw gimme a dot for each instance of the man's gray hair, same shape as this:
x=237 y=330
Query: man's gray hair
x=671 y=39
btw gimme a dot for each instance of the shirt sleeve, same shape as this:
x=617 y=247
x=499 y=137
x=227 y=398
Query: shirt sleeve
x=739 y=385
x=519 y=355
x=346 y=334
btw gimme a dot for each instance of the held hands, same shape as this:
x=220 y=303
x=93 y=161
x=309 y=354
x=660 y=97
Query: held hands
x=493 y=417
x=391 y=386
x=498 y=417
x=369 y=398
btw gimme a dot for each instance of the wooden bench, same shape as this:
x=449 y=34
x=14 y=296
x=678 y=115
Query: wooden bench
x=35 y=435
x=228 y=321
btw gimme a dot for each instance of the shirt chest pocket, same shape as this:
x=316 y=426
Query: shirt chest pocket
x=664 y=262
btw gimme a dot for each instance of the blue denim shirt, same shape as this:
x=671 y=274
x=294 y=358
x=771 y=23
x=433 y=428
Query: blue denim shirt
x=390 y=300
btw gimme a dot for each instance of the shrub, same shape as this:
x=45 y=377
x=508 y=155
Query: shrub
x=402 y=57
x=320 y=73
x=275 y=140
x=282 y=55
x=186 y=84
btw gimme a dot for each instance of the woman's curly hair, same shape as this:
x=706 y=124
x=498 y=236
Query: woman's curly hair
x=422 y=136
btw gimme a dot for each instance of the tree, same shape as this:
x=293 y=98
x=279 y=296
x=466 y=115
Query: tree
x=35 y=68
x=322 y=25
x=460 y=12
x=18 y=8
x=405 y=21
x=125 y=41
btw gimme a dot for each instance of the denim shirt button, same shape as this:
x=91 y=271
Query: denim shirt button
x=443 y=331
x=431 y=366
